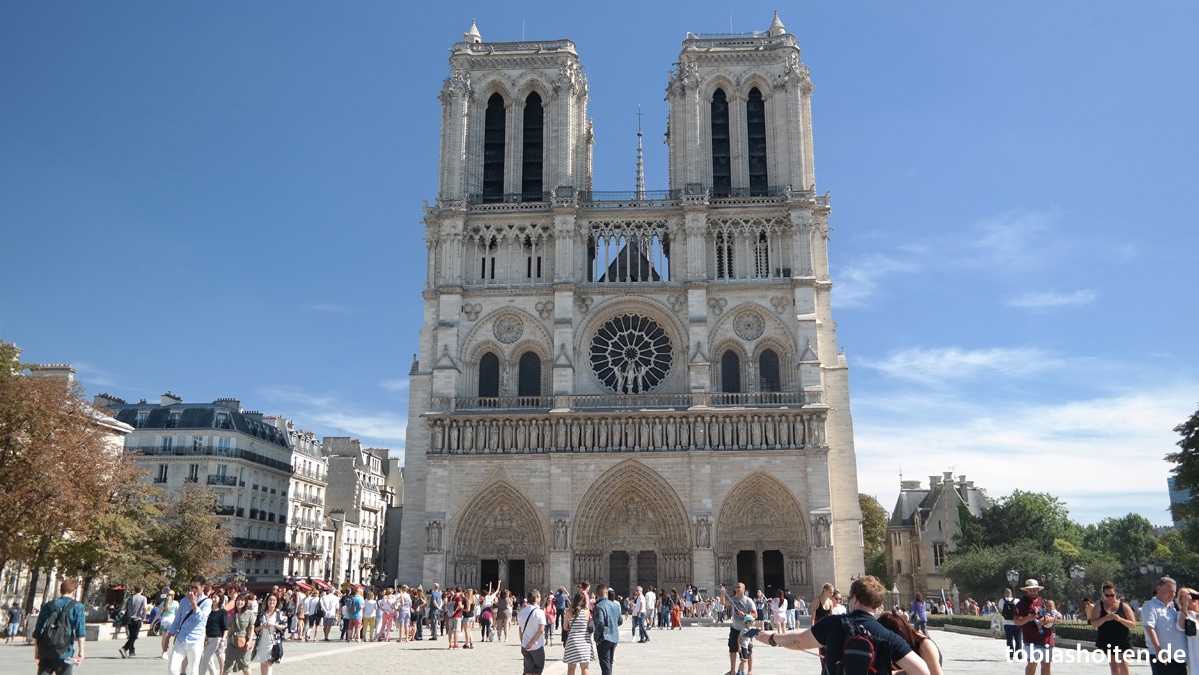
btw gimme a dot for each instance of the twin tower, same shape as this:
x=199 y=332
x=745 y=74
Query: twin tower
x=636 y=388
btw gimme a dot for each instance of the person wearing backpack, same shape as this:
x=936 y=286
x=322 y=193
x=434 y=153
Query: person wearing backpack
x=1011 y=632
x=60 y=633
x=855 y=643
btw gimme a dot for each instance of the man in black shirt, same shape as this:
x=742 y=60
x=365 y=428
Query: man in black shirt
x=866 y=596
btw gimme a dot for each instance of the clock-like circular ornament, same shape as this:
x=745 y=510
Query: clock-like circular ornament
x=749 y=325
x=508 y=329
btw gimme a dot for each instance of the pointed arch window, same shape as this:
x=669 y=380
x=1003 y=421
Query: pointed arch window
x=722 y=166
x=489 y=376
x=493 y=149
x=532 y=156
x=755 y=121
x=768 y=371
x=730 y=373
x=529 y=375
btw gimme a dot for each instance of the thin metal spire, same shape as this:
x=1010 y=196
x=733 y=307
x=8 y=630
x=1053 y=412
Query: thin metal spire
x=640 y=159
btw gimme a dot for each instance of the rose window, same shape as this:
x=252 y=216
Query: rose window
x=630 y=354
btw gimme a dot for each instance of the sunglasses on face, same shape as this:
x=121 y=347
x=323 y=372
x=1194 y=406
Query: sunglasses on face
x=1109 y=595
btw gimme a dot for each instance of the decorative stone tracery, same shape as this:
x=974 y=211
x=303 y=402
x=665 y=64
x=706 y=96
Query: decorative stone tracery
x=499 y=522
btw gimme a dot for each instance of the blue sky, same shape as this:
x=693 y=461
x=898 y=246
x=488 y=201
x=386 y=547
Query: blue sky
x=225 y=200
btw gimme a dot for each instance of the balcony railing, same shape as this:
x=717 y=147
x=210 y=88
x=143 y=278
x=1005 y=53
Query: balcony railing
x=756 y=399
x=212 y=451
x=307 y=498
x=260 y=544
x=225 y=510
x=309 y=473
x=223 y=480
x=309 y=549
x=310 y=523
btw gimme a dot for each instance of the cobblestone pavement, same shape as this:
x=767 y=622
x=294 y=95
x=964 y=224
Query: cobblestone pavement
x=692 y=650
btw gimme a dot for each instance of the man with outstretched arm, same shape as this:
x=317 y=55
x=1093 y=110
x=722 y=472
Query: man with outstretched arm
x=866 y=597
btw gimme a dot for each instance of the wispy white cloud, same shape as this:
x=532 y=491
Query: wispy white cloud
x=1065 y=449
x=92 y=375
x=1051 y=299
x=953 y=364
x=330 y=307
x=396 y=385
x=380 y=427
x=291 y=394
x=862 y=278
x=1013 y=239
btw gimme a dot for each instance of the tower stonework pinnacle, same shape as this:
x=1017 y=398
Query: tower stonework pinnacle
x=776 y=26
x=472 y=36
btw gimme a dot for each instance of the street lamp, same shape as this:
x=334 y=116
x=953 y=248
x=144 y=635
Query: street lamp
x=1077 y=572
x=895 y=592
x=1013 y=577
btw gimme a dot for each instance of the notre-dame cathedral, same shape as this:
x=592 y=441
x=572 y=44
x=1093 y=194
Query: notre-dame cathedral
x=638 y=388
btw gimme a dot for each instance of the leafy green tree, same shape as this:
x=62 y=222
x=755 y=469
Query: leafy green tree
x=981 y=572
x=1036 y=518
x=874 y=525
x=190 y=538
x=876 y=565
x=1186 y=469
x=1129 y=539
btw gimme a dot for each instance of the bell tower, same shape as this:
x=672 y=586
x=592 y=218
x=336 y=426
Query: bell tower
x=513 y=121
x=740 y=114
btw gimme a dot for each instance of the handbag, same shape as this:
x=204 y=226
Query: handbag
x=1190 y=627
x=277 y=652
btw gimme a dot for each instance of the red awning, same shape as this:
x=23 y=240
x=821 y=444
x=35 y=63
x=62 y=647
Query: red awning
x=260 y=587
x=322 y=584
x=303 y=586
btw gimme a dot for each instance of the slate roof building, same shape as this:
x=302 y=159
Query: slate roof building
x=921 y=531
x=241 y=456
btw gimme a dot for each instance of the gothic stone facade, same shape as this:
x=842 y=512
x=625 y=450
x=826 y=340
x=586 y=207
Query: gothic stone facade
x=637 y=388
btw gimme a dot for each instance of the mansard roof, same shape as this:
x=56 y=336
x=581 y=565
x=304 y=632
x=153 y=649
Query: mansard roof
x=195 y=416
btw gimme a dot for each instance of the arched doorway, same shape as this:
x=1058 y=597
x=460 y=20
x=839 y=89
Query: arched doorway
x=762 y=538
x=632 y=530
x=499 y=536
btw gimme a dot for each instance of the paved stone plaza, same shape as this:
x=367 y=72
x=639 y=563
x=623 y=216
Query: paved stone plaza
x=693 y=650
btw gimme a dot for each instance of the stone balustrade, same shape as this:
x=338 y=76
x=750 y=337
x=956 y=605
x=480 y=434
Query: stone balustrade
x=627 y=431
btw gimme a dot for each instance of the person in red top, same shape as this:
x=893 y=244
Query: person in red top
x=1038 y=643
x=456 y=604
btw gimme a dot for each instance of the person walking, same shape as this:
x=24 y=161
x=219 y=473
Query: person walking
x=435 y=605
x=354 y=608
x=639 y=613
x=676 y=610
x=1165 y=640
x=331 y=610
x=241 y=636
x=188 y=629
x=135 y=614
x=919 y=614
x=1113 y=621
x=269 y=627
x=1038 y=644
x=215 y=630
x=578 y=644
x=15 y=614
x=532 y=625
x=606 y=620
x=778 y=611
x=60 y=659
x=1188 y=618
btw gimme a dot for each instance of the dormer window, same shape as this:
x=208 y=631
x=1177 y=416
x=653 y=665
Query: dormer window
x=142 y=416
x=173 y=420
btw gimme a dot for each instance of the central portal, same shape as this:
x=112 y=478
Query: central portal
x=618 y=572
x=647 y=570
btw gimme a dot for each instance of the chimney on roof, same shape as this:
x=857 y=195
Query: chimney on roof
x=948 y=477
x=106 y=401
x=934 y=481
x=169 y=399
x=62 y=371
x=252 y=415
x=909 y=485
x=229 y=403
x=962 y=480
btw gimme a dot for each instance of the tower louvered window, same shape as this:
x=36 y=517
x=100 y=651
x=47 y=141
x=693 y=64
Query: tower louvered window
x=530 y=175
x=755 y=119
x=722 y=166
x=493 y=150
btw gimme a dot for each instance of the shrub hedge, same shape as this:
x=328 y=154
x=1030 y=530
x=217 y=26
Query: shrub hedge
x=1073 y=630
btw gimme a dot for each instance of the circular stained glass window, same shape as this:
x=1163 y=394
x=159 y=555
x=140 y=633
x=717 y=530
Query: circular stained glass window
x=631 y=354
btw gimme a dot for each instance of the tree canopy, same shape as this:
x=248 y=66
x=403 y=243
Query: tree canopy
x=1186 y=467
x=874 y=524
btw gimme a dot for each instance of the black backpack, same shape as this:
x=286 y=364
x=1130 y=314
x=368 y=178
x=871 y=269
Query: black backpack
x=57 y=633
x=1009 y=609
x=861 y=651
